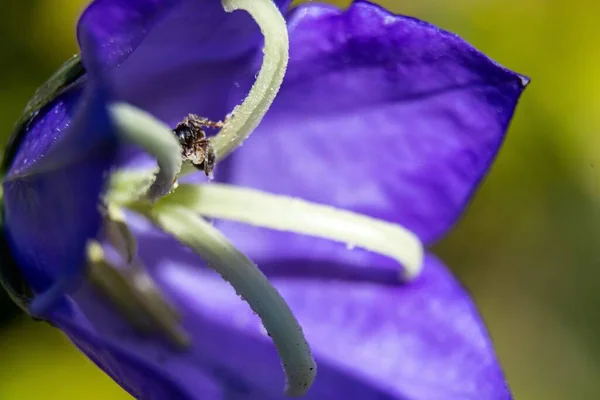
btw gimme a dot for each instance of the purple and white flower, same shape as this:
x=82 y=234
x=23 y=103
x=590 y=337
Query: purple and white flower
x=370 y=133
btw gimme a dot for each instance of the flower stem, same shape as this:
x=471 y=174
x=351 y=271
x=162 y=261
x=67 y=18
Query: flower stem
x=251 y=284
x=246 y=117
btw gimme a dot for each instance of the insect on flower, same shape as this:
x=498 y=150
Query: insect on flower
x=196 y=146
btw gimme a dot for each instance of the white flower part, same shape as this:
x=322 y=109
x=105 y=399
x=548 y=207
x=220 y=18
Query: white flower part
x=251 y=284
x=127 y=186
x=140 y=128
x=289 y=214
x=246 y=117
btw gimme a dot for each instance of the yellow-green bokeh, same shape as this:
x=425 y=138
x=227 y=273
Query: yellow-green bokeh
x=527 y=247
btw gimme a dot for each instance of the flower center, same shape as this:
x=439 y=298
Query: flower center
x=180 y=211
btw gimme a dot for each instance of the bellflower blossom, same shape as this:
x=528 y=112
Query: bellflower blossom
x=371 y=132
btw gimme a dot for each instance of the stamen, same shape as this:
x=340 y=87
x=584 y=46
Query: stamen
x=246 y=117
x=142 y=129
x=133 y=292
x=294 y=215
x=251 y=284
x=118 y=234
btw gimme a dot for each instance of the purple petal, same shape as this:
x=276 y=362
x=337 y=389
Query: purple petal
x=381 y=114
x=52 y=189
x=373 y=338
x=175 y=57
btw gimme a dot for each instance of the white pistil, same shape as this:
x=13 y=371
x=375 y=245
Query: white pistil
x=129 y=185
x=251 y=284
x=246 y=117
x=294 y=215
x=140 y=128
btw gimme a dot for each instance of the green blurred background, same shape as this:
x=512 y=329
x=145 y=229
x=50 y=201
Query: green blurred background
x=527 y=247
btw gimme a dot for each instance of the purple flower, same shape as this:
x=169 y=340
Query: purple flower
x=381 y=131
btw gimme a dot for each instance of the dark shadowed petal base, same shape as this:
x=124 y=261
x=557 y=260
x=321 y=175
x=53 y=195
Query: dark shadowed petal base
x=381 y=114
x=372 y=337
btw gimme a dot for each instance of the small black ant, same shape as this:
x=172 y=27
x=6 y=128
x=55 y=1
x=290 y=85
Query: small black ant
x=196 y=146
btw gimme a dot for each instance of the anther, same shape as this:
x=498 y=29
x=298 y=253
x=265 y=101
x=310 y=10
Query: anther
x=131 y=289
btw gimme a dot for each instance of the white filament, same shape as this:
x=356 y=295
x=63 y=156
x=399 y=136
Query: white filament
x=294 y=215
x=251 y=284
x=246 y=117
x=140 y=128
